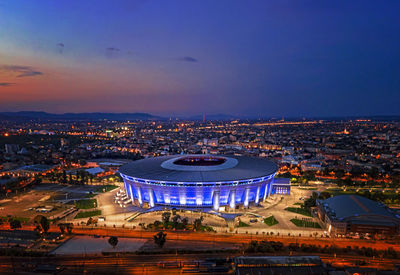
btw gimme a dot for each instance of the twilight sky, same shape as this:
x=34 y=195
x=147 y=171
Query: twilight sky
x=264 y=58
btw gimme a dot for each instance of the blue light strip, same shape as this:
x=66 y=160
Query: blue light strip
x=185 y=184
x=198 y=194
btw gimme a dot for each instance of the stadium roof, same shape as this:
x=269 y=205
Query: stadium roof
x=242 y=168
x=344 y=206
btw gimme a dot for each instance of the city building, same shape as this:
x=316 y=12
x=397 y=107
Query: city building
x=281 y=186
x=350 y=214
x=30 y=170
x=199 y=180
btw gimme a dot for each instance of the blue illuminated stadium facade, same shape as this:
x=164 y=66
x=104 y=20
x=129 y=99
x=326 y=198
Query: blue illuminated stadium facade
x=200 y=181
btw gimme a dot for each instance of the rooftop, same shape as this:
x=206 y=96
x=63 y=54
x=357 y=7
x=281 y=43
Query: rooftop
x=344 y=206
x=167 y=168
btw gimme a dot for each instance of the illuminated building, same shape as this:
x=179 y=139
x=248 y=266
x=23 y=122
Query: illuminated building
x=350 y=214
x=199 y=180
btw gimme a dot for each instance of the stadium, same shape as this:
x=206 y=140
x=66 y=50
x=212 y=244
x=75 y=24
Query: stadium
x=200 y=181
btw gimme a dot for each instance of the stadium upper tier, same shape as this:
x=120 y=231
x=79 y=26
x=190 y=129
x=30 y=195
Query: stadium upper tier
x=199 y=180
x=170 y=168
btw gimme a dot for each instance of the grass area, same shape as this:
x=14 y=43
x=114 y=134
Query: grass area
x=270 y=221
x=86 y=204
x=308 y=188
x=303 y=223
x=298 y=203
x=90 y=195
x=88 y=214
x=106 y=188
x=206 y=228
x=300 y=211
x=7 y=219
x=242 y=224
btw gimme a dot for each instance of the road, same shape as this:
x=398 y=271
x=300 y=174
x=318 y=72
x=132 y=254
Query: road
x=149 y=264
x=224 y=238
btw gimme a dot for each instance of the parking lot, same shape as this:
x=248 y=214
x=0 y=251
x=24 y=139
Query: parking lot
x=49 y=200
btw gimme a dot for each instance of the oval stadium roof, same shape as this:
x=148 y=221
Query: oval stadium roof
x=236 y=168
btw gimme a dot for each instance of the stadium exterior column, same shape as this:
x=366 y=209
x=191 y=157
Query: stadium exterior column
x=216 y=201
x=139 y=192
x=257 y=200
x=270 y=187
x=232 y=202
x=151 y=197
x=266 y=190
x=131 y=192
x=246 y=197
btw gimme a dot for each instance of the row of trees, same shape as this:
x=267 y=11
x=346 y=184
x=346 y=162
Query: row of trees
x=42 y=225
x=177 y=222
x=272 y=247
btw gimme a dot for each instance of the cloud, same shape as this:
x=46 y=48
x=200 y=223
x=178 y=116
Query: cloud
x=112 y=52
x=6 y=84
x=60 y=47
x=188 y=59
x=21 y=71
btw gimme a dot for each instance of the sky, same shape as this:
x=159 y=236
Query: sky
x=247 y=58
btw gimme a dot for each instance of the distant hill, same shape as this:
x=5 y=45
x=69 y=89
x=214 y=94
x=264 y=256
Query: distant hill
x=222 y=117
x=30 y=115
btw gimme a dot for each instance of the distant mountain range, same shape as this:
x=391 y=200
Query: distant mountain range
x=32 y=115
x=28 y=115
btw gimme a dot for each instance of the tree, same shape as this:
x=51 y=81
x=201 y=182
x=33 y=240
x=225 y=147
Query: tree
x=42 y=222
x=69 y=226
x=165 y=217
x=38 y=230
x=37 y=179
x=160 y=239
x=185 y=222
x=113 y=241
x=62 y=227
x=64 y=177
x=175 y=220
x=197 y=223
x=91 y=221
x=15 y=224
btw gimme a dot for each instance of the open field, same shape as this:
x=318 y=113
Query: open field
x=90 y=245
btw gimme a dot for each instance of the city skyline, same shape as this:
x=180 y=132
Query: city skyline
x=180 y=58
